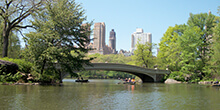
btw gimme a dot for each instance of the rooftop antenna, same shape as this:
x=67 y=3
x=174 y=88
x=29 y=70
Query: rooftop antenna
x=210 y=12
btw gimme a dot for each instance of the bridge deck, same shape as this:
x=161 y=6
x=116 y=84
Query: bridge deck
x=124 y=67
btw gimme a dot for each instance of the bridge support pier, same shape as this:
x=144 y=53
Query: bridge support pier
x=154 y=78
x=159 y=77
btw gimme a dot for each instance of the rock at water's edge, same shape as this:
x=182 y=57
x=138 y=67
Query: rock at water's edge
x=205 y=82
x=172 y=81
x=8 y=67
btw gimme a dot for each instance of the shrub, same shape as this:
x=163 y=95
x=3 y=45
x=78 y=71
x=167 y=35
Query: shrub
x=177 y=75
x=10 y=77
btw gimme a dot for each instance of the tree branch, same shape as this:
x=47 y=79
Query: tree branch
x=2 y=11
x=24 y=15
x=8 y=4
x=17 y=8
x=23 y=26
x=21 y=33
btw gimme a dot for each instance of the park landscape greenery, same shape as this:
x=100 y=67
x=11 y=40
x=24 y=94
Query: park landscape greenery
x=190 y=51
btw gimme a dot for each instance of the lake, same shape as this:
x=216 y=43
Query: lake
x=108 y=95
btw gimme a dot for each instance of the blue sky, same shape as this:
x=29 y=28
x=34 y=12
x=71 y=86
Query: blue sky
x=154 y=16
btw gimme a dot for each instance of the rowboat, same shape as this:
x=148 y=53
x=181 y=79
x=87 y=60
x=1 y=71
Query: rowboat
x=82 y=80
x=131 y=83
x=215 y=85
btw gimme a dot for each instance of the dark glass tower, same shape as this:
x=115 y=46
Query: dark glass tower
x=112 y=40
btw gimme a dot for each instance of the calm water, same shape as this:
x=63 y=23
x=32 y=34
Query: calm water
x=108 y=95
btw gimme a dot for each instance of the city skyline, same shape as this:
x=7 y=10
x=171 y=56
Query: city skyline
x=99 y=44
x=152 y=16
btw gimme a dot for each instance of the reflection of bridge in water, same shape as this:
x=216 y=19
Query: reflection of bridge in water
x=147 y=75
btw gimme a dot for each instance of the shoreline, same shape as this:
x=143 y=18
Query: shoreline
x=54 y=84
x=211 y=83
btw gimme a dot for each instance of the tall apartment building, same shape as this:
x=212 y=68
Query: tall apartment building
x=141 y=37
x=112 y=41
x=98 y=44
x=99 y=36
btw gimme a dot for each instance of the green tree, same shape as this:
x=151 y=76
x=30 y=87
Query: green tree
x=169 y=53
x=215 y=59
x=143 y=55
x=206 y=23
x=14 y=47
x=59 y=38
x=110 y=58
x=189 y=44
x=13 y=12
x=187 y=48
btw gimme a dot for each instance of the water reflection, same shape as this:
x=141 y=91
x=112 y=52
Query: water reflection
x=108 y=95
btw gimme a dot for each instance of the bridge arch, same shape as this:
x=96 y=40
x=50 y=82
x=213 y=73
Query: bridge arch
x=146 y=75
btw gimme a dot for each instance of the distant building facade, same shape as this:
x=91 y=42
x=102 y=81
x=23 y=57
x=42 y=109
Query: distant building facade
x=99 y=36
x=99 y=45
x=112 y=41
x=141 y=37
x=125 y=53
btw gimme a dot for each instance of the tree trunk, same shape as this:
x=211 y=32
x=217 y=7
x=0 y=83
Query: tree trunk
x=61 y=81
x=5 y=42
x=42 y=69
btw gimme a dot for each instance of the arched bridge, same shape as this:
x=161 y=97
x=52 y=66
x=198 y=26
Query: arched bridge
x=147 y=75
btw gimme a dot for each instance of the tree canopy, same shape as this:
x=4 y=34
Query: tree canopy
x=58 y=34
x=187 y=49
x=143 y=55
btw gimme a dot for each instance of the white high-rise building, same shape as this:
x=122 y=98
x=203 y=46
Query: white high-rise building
x=140 y=36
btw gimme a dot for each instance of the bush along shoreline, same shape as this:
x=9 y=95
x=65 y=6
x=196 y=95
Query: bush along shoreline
x=20 y=72
x=176 y=77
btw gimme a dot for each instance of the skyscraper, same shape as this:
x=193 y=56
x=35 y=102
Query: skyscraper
x=112 y=40
x=141 y=37
x=99 y=36
x=98 y=44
